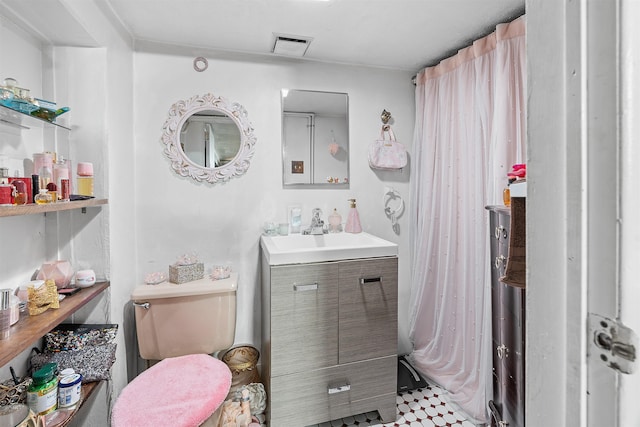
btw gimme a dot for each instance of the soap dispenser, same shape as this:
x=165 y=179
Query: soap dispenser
x=353 y=220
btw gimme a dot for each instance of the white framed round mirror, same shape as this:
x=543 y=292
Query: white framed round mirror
x=208 y=138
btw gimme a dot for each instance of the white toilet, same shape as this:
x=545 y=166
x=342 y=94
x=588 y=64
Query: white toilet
x=189 y=318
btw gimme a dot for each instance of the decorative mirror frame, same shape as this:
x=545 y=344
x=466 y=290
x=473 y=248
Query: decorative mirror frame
x=181 y=164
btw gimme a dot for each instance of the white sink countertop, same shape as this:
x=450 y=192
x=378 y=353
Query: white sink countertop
x=298 y=248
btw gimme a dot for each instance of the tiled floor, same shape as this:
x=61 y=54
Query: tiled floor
x=418 y=408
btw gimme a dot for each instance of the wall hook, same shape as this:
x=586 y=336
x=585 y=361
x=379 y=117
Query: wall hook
x=385 y=117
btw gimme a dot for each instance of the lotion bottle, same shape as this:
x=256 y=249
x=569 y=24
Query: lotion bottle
x=353 y=219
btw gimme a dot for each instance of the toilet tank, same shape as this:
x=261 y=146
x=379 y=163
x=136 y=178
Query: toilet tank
x=194 y=317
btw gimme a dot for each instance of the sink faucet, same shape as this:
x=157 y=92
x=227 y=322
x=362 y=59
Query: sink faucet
x=317 y=224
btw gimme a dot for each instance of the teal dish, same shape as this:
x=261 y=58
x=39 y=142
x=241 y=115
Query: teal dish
x=19 y=105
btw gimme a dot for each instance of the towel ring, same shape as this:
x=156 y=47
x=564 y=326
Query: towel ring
x=393 y=205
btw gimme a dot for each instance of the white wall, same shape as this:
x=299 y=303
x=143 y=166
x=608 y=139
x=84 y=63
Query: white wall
x=223 y=222
x=22 y=239
x=23 y=249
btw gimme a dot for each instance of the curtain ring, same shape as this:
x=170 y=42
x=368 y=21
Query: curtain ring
x=200 y=64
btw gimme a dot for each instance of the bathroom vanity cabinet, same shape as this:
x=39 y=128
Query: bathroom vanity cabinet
x=329 y=340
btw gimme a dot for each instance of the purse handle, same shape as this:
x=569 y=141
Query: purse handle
x=392 y=136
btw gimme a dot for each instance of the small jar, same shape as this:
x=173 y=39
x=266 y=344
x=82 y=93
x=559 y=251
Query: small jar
x=85 y=179
x=69 y=390
x=283 y=228
x=42 y=395
x=20 y=193
x=43 y=197
x=6 y=192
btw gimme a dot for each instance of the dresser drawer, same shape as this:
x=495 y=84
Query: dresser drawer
x=325 y=394
x=304 y=317
x=368 y=309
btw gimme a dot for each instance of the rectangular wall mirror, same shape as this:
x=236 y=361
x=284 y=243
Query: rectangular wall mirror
x=315 y=139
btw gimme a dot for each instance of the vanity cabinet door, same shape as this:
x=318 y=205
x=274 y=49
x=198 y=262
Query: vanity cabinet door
x=368 y=309
x=304 y=317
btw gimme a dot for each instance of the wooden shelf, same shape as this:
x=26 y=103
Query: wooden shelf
x=32 y=208
x=30 y=328
x=24 y=121
x=87 y=390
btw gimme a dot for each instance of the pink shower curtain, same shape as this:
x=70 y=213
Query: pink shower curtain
x=470 y=129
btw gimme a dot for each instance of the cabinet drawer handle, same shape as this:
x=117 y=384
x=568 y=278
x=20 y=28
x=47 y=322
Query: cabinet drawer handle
x=303 y=288
x=500 y=231
x=502 y=351
x=144 y=305
x=339 y=388
x=365 y=281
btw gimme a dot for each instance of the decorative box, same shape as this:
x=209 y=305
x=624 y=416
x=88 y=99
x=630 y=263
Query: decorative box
x=186 y=273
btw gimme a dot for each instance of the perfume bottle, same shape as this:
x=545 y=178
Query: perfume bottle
x=43 y=167
x=20 y=194
x=43 y=197
x=52 y=189
x=353 y=219
x=62 y=170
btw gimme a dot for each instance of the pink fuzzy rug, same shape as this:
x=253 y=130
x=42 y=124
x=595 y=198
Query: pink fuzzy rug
x=176 y=392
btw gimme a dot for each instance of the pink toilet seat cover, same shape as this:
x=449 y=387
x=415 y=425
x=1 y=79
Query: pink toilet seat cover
x=177 y=392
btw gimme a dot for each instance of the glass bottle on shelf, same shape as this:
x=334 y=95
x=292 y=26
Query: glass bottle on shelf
x=20 y=194
x=506 y=196
x=62 y=170
x=43 y=167
x=85 y=178
x=43 y=197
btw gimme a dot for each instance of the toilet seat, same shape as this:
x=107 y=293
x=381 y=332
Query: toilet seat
x=180 y=391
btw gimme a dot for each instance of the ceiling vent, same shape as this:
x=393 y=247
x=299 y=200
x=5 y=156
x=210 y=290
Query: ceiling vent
x=291 y=45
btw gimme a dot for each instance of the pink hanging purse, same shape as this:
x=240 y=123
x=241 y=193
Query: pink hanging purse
x=387 y=154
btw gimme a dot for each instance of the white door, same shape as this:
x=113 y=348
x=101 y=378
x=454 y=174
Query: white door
x=613 y=247
x=629 y=293
x=583 y=209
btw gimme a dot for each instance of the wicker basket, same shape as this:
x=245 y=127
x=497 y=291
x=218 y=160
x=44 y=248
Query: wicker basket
x=243 y=362
x=10 y=392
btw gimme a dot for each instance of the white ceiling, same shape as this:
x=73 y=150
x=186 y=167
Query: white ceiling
x=399 y=34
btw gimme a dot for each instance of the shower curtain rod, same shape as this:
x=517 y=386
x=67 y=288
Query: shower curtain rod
x=453 y=52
